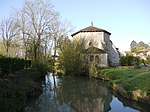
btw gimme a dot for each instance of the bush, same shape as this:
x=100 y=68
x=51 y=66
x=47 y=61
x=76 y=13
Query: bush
x=148 y=60
x=11 y=99
x=9 y=65
x=130 y=61
x=40 y=67
x=16 y=88
x=71 y=59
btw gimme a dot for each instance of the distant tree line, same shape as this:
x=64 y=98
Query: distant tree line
x=135 y=47
x=130 y=60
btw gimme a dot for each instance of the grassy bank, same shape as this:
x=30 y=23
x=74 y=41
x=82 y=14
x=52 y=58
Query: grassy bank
x=129 y=82
x=16 y=88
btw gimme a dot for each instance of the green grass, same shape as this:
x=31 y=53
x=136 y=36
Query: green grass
x=131 y=79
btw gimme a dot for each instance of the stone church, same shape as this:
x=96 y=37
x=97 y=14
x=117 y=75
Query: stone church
x=98 y=45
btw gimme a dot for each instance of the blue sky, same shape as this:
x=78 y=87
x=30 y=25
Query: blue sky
x=127 y=20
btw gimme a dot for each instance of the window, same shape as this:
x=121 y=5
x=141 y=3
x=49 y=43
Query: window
x=97 y=58
x=91 y=57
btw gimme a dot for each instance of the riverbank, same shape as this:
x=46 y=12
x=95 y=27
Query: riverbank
x=130 y=83
x=17 y=88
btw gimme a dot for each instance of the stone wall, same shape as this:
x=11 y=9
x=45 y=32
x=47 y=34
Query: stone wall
x=95 y=37
x=113 y=53
x=102 y=41
x=103 y=59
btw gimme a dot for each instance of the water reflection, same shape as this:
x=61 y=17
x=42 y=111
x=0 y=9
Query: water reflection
x=76 y=94
x=84 y=95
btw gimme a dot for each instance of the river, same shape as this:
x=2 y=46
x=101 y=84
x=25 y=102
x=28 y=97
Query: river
x=80 y=94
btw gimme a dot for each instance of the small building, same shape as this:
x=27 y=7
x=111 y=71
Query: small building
x=98 y=41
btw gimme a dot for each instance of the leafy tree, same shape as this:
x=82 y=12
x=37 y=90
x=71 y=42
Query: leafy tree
x=58 y=31
x=136 y=47
x=133 y=45
x=71 y=58
x=142 y=45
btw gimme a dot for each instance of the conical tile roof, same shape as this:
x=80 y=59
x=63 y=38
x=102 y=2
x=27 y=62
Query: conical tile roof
x=91 y=29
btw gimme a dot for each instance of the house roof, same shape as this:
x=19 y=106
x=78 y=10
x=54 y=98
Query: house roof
x=92 y=49
x=91 y=29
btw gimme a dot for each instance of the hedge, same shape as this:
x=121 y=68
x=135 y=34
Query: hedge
x=9 y=65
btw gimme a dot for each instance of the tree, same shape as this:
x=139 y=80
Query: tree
x=58 y=31
x=142 y=45
x=40 y=27
x=8 y=32
x=133 y=45
x=71 y=58
x=23 y=27
x=136 y=47
x=35 y=21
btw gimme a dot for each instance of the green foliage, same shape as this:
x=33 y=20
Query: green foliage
x=11 y=99
x=71 y=58
x=16 y=88
x=133 y=45
x=134 y=50
x=141 y=44
x=27 y=63
x=92 y=69
x=9 y=65
x=40 y=67
x=148 y=60
x=130 y=61
x=136 y=47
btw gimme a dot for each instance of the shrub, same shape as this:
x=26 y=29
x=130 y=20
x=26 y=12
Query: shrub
x=40 y=67
x=130 y=61
x=11 y=99
x=71 y=59
x=9 y=65
x=148 y=60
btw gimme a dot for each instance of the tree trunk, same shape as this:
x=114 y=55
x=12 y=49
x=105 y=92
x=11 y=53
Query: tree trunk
x=54 y=56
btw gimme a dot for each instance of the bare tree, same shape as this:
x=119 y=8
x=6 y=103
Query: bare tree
x=8 y=32
x=34 y=22
x=23 y=26
x=40 y=27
